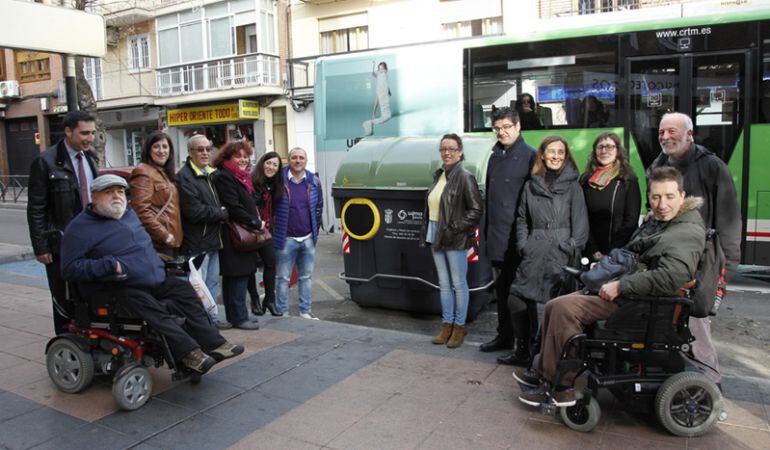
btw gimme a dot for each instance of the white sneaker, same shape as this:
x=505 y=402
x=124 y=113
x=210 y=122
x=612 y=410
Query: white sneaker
x=308 y=316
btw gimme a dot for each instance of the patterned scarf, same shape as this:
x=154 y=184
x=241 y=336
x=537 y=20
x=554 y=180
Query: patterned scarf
x=241 y=175
x=604 y=175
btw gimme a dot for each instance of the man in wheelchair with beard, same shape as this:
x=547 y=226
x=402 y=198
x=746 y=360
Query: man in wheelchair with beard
x=108 y=239
x=668 y=246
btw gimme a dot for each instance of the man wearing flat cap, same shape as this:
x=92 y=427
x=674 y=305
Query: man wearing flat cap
x=107 y=238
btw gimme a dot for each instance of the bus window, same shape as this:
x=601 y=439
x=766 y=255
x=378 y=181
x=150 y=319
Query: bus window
x=764 y=88
x=552 y=85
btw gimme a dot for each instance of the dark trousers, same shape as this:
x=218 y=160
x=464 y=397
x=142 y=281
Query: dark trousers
x=523 y=316
x=234 y=298
x=161 y=306
x=505 y=272
x=59 y=300
x=267 y=255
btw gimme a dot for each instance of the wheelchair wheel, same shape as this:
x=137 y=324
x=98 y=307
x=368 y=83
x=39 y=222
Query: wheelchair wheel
x=70 y=368
x=132 y=388
x=582 y=417
x=688 y=404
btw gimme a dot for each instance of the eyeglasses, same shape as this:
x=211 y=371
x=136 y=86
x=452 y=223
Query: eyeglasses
x=505 y=127
x=606 y=147
x=203 y=149
x=448 y=150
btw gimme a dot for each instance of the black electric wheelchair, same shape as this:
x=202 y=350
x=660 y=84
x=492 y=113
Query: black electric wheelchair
x=105 y=339
x=638 y=354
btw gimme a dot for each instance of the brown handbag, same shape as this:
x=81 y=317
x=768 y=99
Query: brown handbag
x=246 y=240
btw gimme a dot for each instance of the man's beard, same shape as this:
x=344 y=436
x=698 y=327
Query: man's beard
x=110 y=210
x=680 y=146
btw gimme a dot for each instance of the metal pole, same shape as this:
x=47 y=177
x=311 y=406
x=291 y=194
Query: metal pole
x=70 y=83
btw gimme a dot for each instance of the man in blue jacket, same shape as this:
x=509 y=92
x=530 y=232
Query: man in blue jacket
x=106 y=239
x=297 y=220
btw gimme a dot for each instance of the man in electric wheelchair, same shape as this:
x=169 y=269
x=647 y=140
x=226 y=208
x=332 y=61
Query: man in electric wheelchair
x=641 y=348
x=107 y=239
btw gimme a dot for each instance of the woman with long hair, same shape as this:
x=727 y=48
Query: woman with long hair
x=612 y=194
x=268 y=184
x=237 y=195
x=453 y=208
x=551 y=230
x=154 y=195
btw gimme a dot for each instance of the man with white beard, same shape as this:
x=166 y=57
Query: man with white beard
x=106 y=239
x=705 y=176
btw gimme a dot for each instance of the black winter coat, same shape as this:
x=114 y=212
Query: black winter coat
x=613 y=213
x=460 y=210
x=202 y=215
x=551 y=228
x=707 y=176
x=507 y=171
x=54 y=199
x=242 y=208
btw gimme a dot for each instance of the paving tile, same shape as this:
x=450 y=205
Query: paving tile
x=746 y=414
x=459 y=441
x=90 y=405
x=34 y=351
x=35 y=427
x=22 y=374
x=536 y=434
x=88 y=436
x=200 y=395
x=642 y=426
x=312 y=423
x=252 y=410
x=14 y=405
x=154 y=416
x=7 y=360
x=202 y=432
x=298 y=384
x=490 y=429
x=268 y=440
x=725 y=436
x=352 y=396
x=15 y=338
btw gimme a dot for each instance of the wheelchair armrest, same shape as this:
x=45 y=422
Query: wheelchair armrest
x=572 y=271
x=115 y=277
x=683 y=300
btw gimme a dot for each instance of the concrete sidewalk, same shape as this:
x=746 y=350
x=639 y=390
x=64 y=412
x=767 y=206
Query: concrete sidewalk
x=317 y=384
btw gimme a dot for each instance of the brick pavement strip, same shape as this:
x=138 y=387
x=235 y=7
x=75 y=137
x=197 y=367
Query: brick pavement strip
x=308 y=384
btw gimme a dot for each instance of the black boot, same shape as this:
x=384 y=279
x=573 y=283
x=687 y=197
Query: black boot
x=496 y=344
x=519 y=357
x=256 y=309
x=270 y=306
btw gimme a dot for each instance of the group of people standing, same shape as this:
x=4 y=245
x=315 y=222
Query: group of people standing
x=188 y=213
x=541 y=215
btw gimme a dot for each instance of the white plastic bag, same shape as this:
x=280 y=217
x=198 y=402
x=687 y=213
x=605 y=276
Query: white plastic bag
x=196 y=280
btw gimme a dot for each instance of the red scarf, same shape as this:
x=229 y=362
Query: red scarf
x=241 y=175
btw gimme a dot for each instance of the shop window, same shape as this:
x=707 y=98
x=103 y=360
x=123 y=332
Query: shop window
x=32 y=66
x=138 y=52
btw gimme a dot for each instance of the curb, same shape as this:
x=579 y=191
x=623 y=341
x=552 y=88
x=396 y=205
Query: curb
x=23 y=254
x=21 y=206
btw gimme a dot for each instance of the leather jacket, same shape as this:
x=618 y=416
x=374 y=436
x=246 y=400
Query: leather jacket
x=460 y=210
x=54 y=199
x=151 y=189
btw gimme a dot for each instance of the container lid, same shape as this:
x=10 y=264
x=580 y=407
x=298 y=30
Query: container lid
x=406 y=163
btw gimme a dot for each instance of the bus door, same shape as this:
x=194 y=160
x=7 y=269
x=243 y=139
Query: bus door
x=711 y=88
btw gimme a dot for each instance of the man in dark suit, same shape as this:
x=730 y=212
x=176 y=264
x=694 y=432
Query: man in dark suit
x=59 y=188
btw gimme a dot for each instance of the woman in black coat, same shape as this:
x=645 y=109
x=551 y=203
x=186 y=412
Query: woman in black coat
x=236 y=193
x=612 y=194
x=551 y=230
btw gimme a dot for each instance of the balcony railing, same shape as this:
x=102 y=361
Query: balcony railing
x=231 y=73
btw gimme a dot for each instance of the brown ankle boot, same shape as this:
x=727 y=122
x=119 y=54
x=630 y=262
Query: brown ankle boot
x=458 y=336
x=443 y=335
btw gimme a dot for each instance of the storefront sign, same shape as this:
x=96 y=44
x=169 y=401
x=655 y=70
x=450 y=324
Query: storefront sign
x=229 y=112
x=248 y=109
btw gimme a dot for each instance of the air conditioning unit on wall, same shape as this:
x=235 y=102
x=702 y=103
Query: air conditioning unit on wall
x=9 y=89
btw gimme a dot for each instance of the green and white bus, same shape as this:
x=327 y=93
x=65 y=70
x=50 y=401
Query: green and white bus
x=618 y=77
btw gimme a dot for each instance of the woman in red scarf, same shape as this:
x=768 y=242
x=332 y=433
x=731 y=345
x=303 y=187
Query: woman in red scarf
x=612 y=195
x=236 y=192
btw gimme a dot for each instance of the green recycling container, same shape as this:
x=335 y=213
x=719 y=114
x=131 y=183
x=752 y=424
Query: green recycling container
x=379 y=196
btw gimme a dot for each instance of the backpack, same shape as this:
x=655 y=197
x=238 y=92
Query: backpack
x=710 y=284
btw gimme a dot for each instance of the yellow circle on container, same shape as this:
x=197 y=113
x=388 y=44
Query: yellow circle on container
x=375 y=213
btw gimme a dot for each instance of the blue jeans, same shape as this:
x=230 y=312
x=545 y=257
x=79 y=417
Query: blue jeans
x=303 y=255
x=452 y=268
x=234 y=298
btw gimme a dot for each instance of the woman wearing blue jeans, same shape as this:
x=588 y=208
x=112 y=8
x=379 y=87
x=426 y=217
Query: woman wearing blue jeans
x=453 y=209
